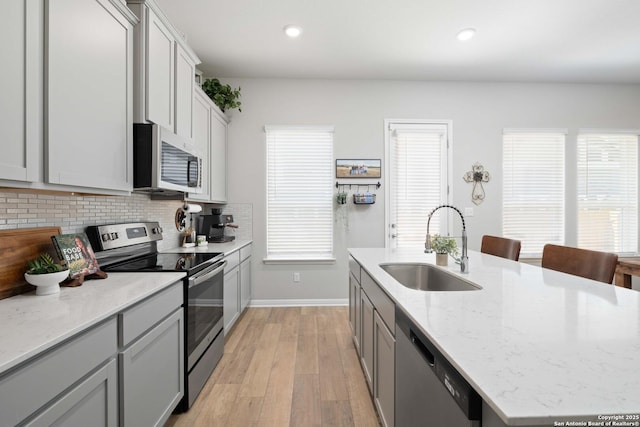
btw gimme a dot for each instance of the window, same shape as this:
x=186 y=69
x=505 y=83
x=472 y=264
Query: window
x=533 y=208
x=299 y=193
x=417 y=180
x=608 y=191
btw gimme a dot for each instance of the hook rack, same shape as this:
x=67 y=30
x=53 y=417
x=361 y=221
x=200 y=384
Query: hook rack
x=342 y=187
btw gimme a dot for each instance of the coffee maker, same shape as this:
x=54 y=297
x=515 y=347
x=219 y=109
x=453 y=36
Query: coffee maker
x=213 y=226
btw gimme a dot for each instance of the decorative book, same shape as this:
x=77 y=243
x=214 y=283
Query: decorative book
x=76 y=250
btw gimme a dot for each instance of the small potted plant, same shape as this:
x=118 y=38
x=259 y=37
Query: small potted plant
x=45 y=273
x=443 y=247
x=224 y=96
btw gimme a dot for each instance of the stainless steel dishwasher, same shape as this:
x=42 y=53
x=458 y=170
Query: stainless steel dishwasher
x=429 y=391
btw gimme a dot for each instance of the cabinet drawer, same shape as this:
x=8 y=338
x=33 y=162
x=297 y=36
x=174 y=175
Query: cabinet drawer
x=232 y=261
x=27 y=389
x=383 y=304
x=354 y=268
x=245 y=252
x=142 y=316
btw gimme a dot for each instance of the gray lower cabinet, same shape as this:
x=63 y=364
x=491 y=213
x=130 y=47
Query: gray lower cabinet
x=245 y=283
x=125 y=371
x=384 y=362
x=231 y=299
x=366 y=339
x=43 y=383
x=93 y=402
x=372 y=321
x=354 y=302
x=151 y=386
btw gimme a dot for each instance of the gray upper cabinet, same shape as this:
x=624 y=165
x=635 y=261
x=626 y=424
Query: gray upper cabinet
x=88 y=110
x=185 y=85
x=202 y=140
x=218 y=166
x=21 y=101
x=159 y=71
x=210 y=136
x=163 y=72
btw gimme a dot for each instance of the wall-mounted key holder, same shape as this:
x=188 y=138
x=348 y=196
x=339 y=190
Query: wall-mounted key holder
x=364 y=198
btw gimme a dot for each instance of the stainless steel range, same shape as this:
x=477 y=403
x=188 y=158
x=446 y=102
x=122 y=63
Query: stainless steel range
x=132 y=247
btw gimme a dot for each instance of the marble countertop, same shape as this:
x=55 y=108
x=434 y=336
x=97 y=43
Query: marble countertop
x=227 y=248
x=539 y=346
x=32 y=324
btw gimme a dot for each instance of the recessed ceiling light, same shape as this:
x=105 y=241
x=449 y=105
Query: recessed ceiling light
x=292 y=31
x=466 y=34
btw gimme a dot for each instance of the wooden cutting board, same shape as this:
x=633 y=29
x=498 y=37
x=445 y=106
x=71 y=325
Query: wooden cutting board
x=16 y=248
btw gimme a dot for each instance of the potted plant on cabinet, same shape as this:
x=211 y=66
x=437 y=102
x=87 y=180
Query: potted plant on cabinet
x=224 y=96
x=443 y=247
x=46 y=274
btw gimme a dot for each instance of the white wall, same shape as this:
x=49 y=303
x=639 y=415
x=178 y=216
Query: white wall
x=357 y=109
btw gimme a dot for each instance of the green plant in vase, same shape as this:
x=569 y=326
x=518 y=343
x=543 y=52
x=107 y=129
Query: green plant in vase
x=444 y=246
x=46 y=274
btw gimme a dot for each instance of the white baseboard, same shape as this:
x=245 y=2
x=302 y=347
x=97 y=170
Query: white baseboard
x=297 y=302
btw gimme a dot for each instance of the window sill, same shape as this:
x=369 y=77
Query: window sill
x=298 y=260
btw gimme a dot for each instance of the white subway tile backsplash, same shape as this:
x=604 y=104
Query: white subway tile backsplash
x=74 y=213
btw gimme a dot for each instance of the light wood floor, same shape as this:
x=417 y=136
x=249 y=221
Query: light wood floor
x=293 y=366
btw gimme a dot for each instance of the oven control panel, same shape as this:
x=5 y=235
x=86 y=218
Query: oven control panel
x=104 y=237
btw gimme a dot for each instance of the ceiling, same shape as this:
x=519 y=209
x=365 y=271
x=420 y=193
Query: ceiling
x=581 y=41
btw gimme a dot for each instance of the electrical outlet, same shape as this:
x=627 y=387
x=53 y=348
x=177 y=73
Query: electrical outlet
x=296 y=277
x=468 y=211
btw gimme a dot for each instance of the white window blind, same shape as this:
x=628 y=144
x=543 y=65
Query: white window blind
x=299 y=193
x=533 y=188
x=419 y=180
x=608 y=192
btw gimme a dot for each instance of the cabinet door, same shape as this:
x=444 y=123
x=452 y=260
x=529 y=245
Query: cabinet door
x=366 y=338
x=160 y=72
x=185 y=70
x=21 y=100
x=245 y=283
x=88 y=109
x=202 y=138
x=94 y=402
x=354 y=312
x=218 y=158
x=152 y=374
x=384 y=372
x=231 y=299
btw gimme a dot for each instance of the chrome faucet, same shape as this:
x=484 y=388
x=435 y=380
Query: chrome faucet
x=464 y=259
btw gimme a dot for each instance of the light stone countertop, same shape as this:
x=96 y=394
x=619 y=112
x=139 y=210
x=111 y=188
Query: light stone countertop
x=539 y=346
x=227 y=248
x=32 y=324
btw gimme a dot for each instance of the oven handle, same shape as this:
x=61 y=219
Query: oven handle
x=196 y=280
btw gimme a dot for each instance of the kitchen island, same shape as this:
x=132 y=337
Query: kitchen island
x=539 y=346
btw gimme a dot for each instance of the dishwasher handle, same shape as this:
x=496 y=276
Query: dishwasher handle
x=424 y=351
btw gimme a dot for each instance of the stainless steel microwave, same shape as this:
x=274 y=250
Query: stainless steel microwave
x=164 y=161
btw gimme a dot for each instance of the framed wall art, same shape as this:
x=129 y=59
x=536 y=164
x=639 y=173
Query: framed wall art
x=358 y=168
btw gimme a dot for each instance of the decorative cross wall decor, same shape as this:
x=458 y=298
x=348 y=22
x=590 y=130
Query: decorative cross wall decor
x=477 y=175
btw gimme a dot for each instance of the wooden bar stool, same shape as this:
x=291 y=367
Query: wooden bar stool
x=501 y=246
x=596 y=265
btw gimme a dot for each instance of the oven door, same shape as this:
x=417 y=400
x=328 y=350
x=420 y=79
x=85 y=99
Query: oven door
x=204 y=310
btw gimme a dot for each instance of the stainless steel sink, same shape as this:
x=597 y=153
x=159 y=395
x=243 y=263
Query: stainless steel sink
x=426 y=277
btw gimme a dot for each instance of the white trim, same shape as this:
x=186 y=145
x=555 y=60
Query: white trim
x=535 y=130
x=325 y=128
x=314 y=261
x=608 y=131
x=299 y=302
